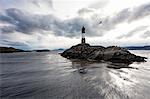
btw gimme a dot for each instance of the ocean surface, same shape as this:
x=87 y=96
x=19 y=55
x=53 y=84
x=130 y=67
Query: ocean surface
x=47 y=75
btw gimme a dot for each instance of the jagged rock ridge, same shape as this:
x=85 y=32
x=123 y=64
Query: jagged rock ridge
x=99 y=53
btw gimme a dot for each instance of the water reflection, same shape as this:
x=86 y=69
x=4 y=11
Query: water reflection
x=116 y=83
x=81 y=66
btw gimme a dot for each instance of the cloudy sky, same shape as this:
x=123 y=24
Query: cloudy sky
x=50 y=24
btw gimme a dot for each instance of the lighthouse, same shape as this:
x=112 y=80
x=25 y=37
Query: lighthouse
x=83 y=35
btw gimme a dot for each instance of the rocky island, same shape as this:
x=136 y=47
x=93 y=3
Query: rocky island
x=99 y=53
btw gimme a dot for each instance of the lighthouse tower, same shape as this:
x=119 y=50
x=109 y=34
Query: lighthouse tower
x=83 y=35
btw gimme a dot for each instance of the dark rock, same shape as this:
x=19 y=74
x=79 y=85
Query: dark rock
x=99 y=53
x=82 y=70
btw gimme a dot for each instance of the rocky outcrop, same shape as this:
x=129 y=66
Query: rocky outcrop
x=100 y=53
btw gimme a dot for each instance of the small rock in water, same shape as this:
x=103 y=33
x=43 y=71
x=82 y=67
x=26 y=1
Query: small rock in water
x=82 y=70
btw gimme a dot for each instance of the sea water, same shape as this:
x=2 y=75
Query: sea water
x=47 y=75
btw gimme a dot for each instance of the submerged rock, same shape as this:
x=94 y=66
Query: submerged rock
x=100 y=53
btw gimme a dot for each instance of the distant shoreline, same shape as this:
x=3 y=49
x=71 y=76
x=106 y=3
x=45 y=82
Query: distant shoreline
x=138 y=47
x=12 y=50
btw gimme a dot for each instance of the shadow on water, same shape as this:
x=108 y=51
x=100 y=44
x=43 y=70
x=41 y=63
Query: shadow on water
x=82 y=65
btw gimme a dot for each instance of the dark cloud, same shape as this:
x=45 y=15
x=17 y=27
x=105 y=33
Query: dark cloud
x=28 y=23
x=140 y=12
x=133 y=32
x=25 y=22
x=5 y=18
x=7 y=29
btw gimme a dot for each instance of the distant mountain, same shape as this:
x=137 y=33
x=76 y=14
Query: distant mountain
x=10 y=50
x=138 y=47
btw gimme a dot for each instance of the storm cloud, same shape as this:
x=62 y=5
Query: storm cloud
x=32 y=23
x=28 y=23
